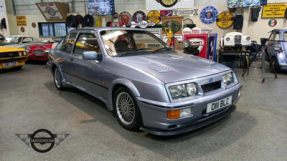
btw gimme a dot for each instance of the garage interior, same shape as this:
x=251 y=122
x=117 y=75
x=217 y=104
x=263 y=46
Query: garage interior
x=29 y=101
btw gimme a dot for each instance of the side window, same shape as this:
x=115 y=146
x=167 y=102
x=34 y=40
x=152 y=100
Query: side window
x=86 y=42
x=274 y=36
x=67 y=43
x=27 y=40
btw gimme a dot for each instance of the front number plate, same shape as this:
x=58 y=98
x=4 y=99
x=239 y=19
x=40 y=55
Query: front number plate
x=214 y=106
x=10 y=64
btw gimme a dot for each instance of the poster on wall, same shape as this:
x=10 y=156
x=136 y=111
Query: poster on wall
x=50 y=11
x=21 y=20
x=245 y=3
x=274 y=10
x=168 y=4
x=101 y=7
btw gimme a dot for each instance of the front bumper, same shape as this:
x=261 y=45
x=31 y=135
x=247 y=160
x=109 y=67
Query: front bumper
x=38 y=57
x=20 y=60
x=155 y=119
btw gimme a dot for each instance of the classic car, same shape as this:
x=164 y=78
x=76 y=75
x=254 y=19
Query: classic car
x=11 y=57
x=235 y=39
x=277 y=49
x=20 y=39
x=154 y=89
x=38 y=52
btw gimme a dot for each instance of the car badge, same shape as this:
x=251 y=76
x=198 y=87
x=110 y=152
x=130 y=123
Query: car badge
x=211 y=80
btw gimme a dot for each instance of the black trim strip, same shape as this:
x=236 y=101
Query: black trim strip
x=87 y=80
x=2 y=60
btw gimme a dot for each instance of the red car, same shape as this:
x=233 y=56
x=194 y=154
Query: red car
x=38 y=52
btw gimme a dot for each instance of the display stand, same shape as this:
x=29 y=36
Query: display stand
x=242 y=53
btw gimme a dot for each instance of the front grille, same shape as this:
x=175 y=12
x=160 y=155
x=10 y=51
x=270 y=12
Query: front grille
x=211 y=87
x=237 y=39
x=39 y=52
x=9 y=55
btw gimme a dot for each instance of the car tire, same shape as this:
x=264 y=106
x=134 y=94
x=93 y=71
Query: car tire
x=126 y=109
x=17 y=68
x=275 y=64
x=58 y=80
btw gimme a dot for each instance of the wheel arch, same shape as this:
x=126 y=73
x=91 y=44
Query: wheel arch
x=56 y=65
x=116 y=84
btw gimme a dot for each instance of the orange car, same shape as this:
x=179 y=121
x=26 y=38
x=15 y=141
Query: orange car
x=12 y=57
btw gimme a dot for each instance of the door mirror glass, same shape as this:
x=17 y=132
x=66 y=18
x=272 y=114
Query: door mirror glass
x=90 y=55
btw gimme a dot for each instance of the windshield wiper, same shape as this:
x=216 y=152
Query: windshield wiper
x=164 y=49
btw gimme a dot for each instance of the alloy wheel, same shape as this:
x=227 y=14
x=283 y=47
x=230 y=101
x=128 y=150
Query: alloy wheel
x=125 y=108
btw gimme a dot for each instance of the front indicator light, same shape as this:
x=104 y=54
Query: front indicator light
x=173 y=114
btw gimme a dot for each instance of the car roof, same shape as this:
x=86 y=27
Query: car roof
x=106 y=28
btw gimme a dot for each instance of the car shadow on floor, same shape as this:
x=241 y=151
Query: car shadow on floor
x=193 y=144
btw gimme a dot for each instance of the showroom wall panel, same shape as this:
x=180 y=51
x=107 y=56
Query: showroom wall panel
x=3 y=14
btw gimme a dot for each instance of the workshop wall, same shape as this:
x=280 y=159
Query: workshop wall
x=3 y=14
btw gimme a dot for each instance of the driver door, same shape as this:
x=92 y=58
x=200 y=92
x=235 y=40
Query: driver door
x=87 y=73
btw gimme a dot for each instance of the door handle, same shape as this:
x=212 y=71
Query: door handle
x=71 y=59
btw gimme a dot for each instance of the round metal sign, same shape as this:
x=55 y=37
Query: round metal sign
x=139 y=16
x=209 y=14
x=224 y=20
x=272 y=23
x=125 y=18
x=153 y=17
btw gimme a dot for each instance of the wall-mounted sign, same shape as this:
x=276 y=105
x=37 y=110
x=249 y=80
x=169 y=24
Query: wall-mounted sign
x=153 y=17
x=21 y=20
x=54 y=11
x=186 y=12
x=172 y=25
x=139 y=16
x=22 y=29
x=168 y=4
x=209 y=14
x=125 y=18
x=98 y=21
x=274 y=10
x=164 y=13
x=34 y=25
x=272 y=23
x=224 y=20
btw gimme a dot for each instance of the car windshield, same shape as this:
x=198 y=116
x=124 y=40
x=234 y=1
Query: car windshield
x=12 y=40
x=131 y=42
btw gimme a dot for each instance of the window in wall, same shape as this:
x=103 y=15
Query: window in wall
x=52 y=29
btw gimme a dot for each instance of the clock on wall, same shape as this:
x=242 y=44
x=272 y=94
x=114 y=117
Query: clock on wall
x=167 y=3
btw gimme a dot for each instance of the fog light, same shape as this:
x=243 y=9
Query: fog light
x=185 y=112
x=174 y=114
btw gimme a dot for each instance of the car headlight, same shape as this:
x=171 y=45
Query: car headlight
x=183 y=90
x=277 y=47
x=228 y=79
x=227 y=39
x=186 y=44
x=248 y=38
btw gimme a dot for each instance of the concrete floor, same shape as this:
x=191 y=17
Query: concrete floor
x=30 y=101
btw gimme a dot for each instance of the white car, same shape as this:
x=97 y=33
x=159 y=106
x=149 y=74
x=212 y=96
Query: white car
x=235 y=39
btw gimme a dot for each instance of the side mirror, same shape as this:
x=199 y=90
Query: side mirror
x=91 y=55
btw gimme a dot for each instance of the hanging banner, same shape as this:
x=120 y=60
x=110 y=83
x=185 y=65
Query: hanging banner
x=168 y=4
x=274 y=10
x=21 y=20
x=53 y=11
x=224 y=20
x=186 y=12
